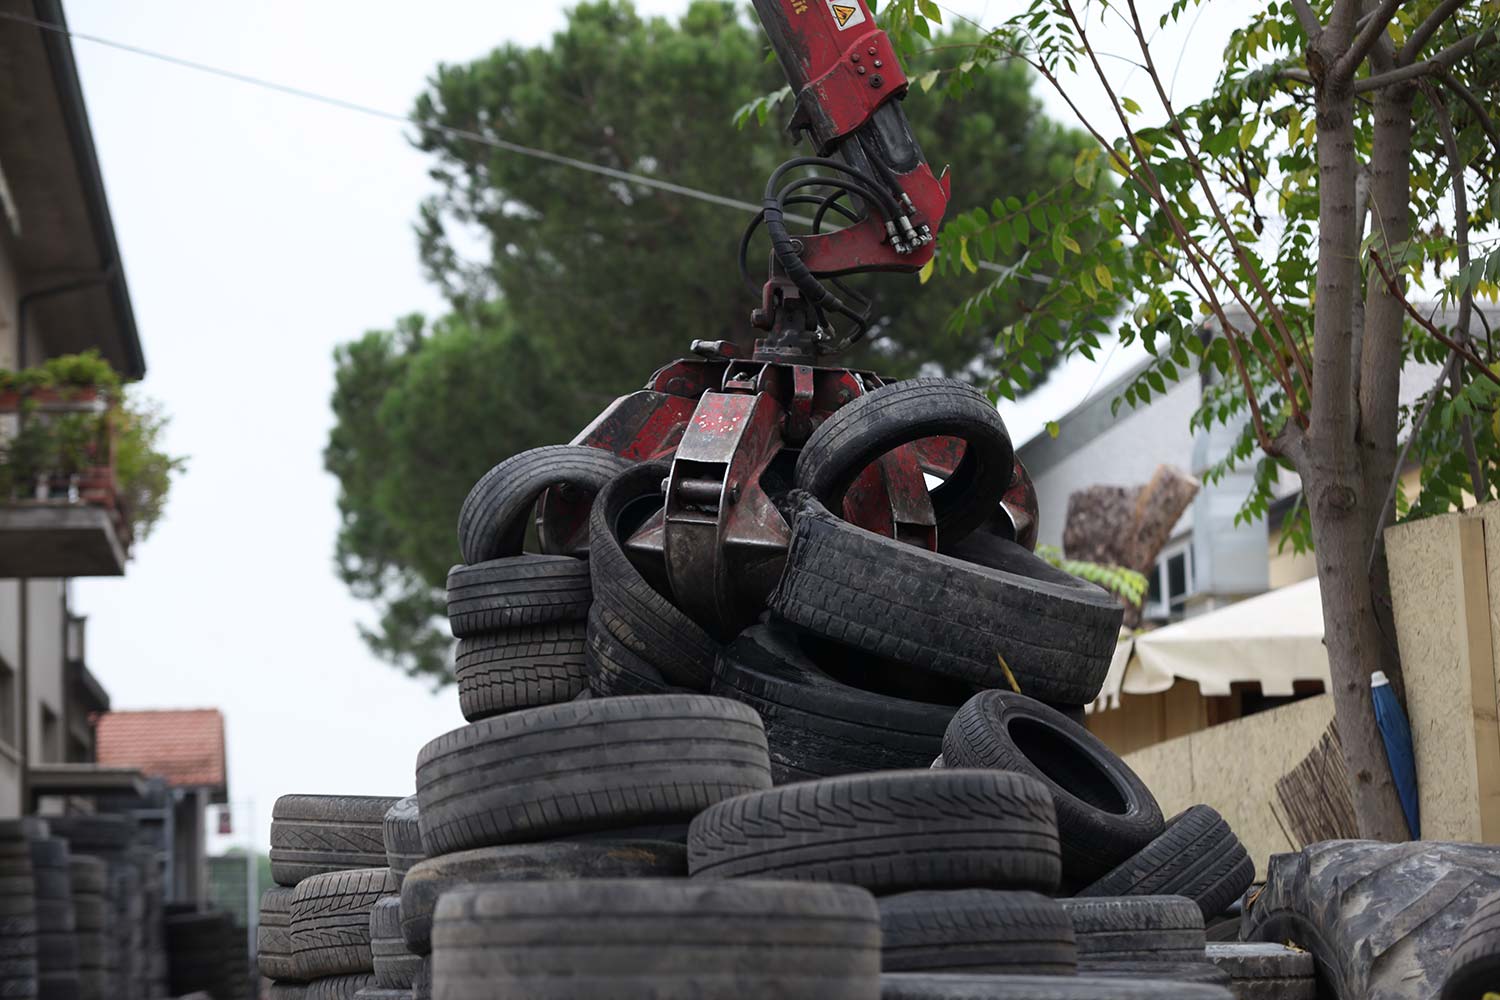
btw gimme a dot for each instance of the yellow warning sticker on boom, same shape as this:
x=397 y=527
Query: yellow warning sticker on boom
x=846 y=15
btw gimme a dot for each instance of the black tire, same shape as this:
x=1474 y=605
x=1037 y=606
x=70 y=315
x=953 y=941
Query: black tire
x=86 y=875
x=527 y=863
x=1381 y=920
x=1105 y=813
x=1263 y=971
x=615 y=670
x=492 y=521
x=402 y=836
x=422 y=989
x=586 y=765
x=274 y=956
x=1475 y=964
x=942 y=614
x=97 y=835
x=639 y=617
x=862 y=430
x=557 y=940
x=976 y=930
x=516 y=591
x=315 y=834
x=1178 y=972
x=519 y=668
x=287 y=990
x=938 y=986
x=89 y=913
x=338 y=987
x=396 y=968
x=889 y=832
x=817 y=726
x=1197 y=856
x=383 y=993
x=330 y=921
x=1154 y=929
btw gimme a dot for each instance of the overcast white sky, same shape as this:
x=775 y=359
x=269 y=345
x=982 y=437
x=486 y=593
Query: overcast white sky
x=258 y=231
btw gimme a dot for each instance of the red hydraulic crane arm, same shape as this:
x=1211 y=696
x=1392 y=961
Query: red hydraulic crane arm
x=848 y=85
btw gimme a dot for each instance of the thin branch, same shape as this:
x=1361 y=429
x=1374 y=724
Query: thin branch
x=1257 y=420
x=1477 y=477
x=1418 y=39
x=1416 y=428
x=1475 y=105
x=1296 y=75
x=1308 y=18
x=1374 y=27
x=1429 y=67
x=1464 y=352
x=1251 y=270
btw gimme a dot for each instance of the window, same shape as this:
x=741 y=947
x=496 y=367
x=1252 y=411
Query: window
x=1170 y=582
x=51 y=736
x=7 y=704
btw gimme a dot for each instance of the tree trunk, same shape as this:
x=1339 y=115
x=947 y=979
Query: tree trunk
x=1328 y=458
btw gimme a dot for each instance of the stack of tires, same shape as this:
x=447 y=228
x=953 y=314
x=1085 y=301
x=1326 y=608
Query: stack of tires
x=519 y=618
x=57 y=930
x=109 y=838
x=88 y=877
x=329 y=862
x=206 y=954
x=18 y=924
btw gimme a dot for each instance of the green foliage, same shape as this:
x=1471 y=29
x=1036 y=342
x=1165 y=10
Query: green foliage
x=1239 y=173
x=1125 y=584
x=48 y=446
x=67 y=371
x=600 y=282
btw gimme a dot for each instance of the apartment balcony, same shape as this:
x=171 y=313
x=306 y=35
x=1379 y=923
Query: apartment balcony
x=60 y=507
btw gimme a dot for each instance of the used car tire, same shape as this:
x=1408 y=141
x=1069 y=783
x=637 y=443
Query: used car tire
x=887 y=832
x=396 y=968
x=615 y=670
x=1264 y=971
x=520 y=667
x=338 y=987
x=492 y=521
x=1197 y=856
x=640 y=618
x=976 y=930
x=1153 y=929
x=865 y=428
x=586 y=765
x=314 y=834
x=557 y=861
x=274 y=956
x=943 y=614
x=330 y=921
x=817 y=726
x=402 y=836
x=941 y=986
x=1199 y=971
x=517 y=591
x=1105 y=813
x=728 y=941
x=1382 y=921
x=1475 y=964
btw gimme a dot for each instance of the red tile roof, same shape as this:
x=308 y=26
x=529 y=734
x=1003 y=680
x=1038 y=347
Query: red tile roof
x=185 y=746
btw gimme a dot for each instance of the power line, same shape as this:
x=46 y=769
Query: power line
x=547 y=156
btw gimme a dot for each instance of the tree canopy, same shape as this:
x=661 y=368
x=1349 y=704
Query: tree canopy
x=1272 y=237
x=568 y=289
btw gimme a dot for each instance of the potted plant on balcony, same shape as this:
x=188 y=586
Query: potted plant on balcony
x=67 y=379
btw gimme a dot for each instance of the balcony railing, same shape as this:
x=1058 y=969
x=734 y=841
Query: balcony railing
x=60 y=508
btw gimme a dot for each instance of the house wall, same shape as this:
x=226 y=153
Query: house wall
x=1096 y=447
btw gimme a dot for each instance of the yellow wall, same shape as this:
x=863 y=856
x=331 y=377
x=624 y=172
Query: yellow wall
x=1234 y=768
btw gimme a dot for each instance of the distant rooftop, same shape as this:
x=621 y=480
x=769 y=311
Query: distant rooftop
x=184 y=746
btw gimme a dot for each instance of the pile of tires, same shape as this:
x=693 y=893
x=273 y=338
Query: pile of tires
x=640 y=808
x=207 y=954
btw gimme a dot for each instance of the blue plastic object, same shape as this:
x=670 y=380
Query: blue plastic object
x=1396 y=733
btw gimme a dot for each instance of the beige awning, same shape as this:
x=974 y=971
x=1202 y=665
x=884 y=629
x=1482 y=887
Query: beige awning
x=1272 y=640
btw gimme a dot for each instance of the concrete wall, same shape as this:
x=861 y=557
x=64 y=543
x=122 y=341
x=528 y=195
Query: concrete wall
x=1234 y=768
x=44 y=662
x=1445 y=586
